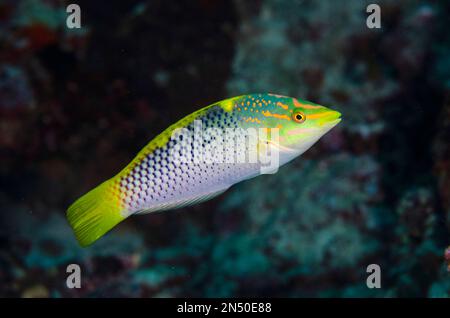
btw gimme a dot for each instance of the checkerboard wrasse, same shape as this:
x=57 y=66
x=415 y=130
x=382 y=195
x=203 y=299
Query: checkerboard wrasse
x=191 y=161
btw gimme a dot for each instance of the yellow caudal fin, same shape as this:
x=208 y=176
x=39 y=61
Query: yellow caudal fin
x=95 y=213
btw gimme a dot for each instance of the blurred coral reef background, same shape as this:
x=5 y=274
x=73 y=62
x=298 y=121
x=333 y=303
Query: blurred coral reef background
x=77 y=104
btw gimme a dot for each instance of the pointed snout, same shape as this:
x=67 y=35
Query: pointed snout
x=328 y=117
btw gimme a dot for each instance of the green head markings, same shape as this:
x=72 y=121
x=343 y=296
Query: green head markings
x=299 y=122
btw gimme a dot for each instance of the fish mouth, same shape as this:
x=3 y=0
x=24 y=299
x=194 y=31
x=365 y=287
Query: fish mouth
x=331 y=119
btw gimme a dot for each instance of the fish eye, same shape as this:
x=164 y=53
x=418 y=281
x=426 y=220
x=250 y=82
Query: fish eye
x=299 y=117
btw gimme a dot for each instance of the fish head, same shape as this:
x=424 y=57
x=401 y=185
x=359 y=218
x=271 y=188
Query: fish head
x=300 y=123
x=309 y=122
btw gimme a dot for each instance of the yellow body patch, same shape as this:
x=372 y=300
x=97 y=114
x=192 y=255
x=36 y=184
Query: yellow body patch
x=227 y=105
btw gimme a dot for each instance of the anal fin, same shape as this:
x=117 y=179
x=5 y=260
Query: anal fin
x=184 y=202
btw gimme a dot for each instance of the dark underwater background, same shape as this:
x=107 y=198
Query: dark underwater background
x=76 y=105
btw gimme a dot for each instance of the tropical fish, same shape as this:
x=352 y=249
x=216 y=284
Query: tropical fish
x=201 y=156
